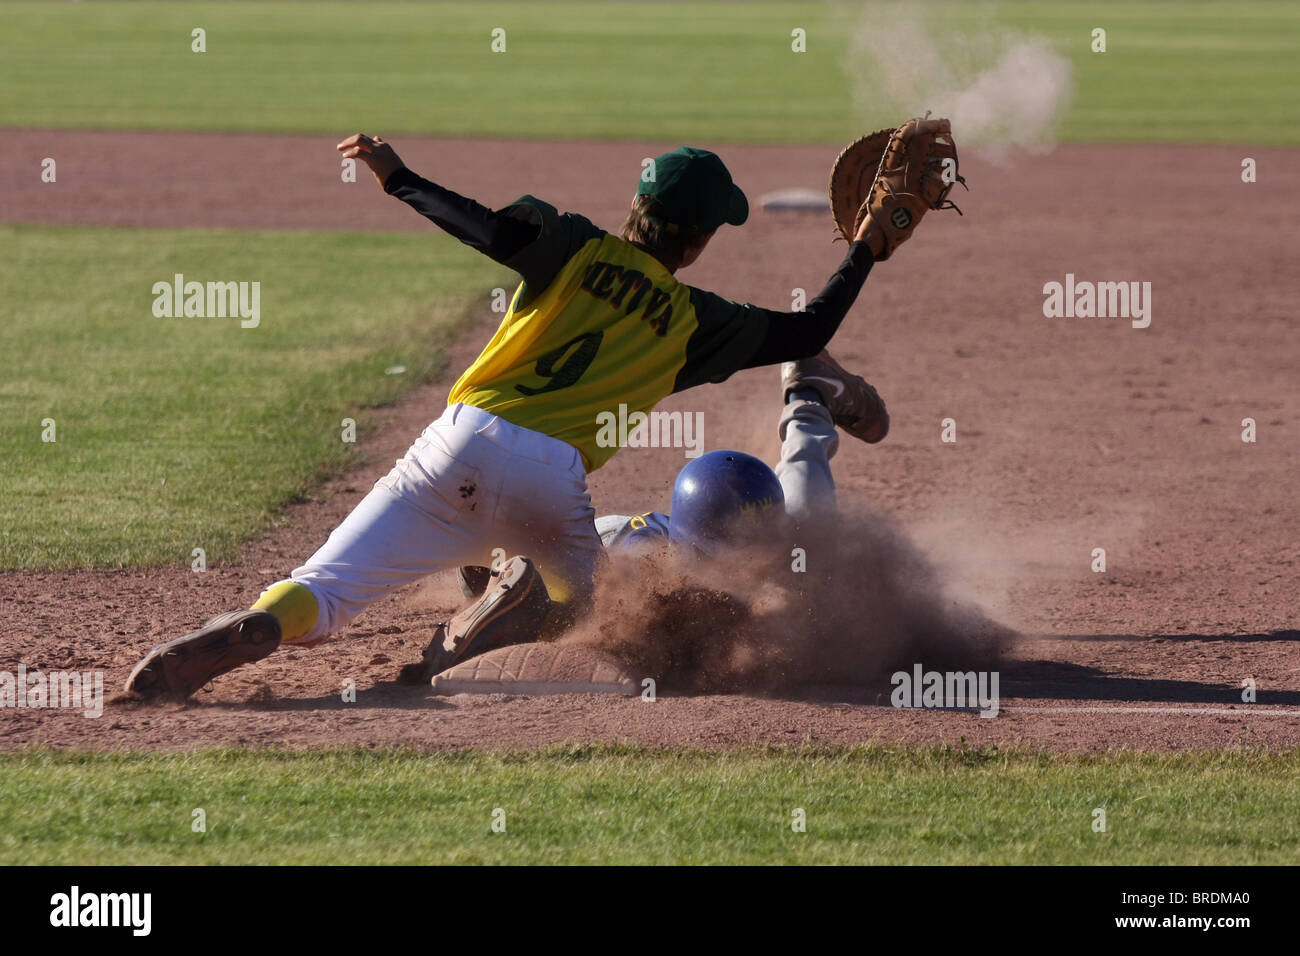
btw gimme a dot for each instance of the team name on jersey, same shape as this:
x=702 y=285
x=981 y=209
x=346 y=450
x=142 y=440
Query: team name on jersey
x=613 y=283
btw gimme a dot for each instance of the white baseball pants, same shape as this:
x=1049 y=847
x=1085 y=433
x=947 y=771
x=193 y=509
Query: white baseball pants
x=471 y=483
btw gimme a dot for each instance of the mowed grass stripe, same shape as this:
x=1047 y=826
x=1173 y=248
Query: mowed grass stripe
x=711 y=72
x=629 y=804
x=177 y=433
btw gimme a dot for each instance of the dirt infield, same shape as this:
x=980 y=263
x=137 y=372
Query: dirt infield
x=1072 y=434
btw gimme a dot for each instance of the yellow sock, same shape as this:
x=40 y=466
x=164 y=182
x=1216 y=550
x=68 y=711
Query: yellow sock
x=293 y=605
x=558 y=588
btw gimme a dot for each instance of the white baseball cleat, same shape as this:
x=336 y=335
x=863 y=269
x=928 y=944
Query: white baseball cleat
x=854 y=405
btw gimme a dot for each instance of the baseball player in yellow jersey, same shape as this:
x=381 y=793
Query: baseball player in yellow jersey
x=598 y=320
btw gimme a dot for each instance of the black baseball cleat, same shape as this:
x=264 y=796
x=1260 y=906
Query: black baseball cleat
x=175 y=670
x=854 y=405
x=511 y=611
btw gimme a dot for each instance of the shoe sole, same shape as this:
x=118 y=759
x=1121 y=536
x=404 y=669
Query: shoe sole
x=233 y=639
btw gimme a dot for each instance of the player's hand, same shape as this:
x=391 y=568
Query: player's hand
x=867 y=232
x=374 y=152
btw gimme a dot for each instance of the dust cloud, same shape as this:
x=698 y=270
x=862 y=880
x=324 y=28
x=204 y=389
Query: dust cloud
x=1001 y=89
x=869 y=603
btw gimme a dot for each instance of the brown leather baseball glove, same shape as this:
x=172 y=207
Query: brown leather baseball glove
x=895 y=176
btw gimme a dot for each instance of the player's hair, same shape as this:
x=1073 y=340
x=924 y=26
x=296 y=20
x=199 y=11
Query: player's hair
x=664 y=241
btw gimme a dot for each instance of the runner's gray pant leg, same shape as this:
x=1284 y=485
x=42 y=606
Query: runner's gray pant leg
x=808 y=442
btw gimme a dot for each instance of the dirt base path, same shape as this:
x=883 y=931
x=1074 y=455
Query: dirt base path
x=1072 y=434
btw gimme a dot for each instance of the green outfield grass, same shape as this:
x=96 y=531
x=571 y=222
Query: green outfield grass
x=177 y=433
x=709 y=72
x=632 y=805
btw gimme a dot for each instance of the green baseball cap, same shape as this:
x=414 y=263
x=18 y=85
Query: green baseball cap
x=695 y=190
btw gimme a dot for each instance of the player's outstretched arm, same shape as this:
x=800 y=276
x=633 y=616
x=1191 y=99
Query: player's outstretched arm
x=798 y=335
x=732 y=336
x=496 y=236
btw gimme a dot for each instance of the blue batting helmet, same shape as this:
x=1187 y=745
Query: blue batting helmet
x=721 y=495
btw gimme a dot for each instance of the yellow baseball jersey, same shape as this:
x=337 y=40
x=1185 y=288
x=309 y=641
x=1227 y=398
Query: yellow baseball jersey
x=595 y=324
